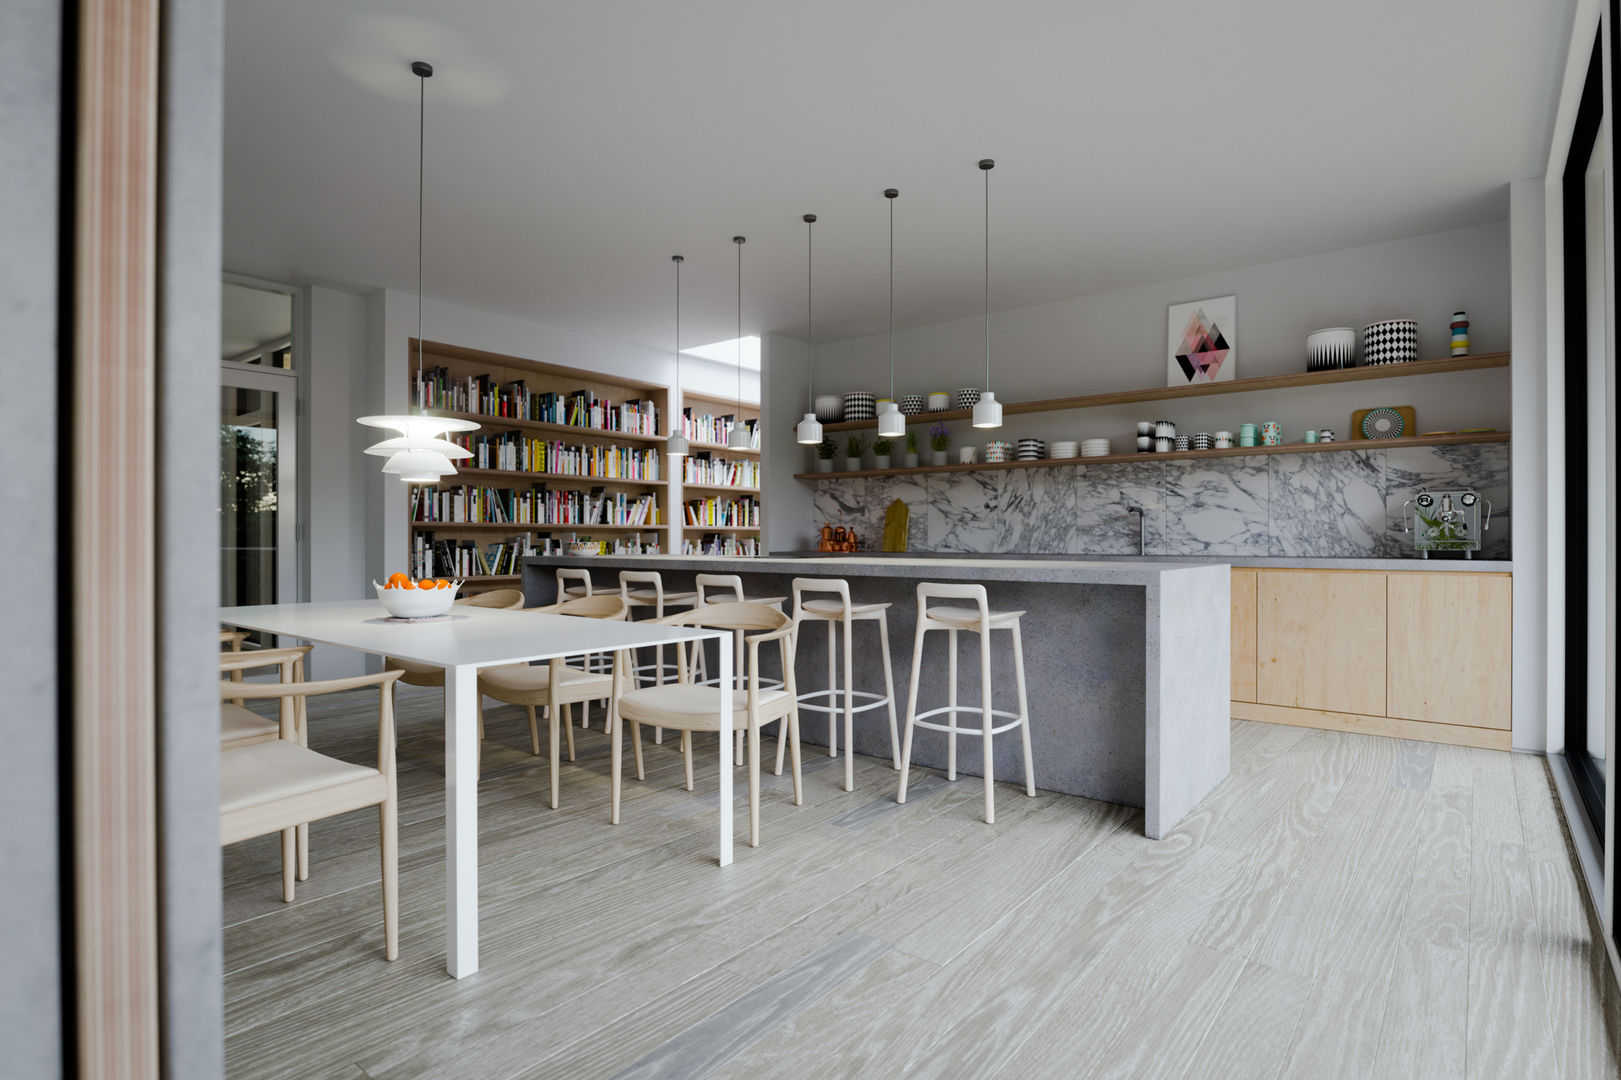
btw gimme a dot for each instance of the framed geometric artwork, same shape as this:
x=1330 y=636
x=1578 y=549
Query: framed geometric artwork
x=1202 y=342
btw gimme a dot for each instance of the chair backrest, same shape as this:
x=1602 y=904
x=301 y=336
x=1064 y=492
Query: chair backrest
x=601 y=606
x=835 y=586
x=258 y=658
x=763 y=622
x=566 y=574
x=940 y=590
x=505 y=599
x=233 y=639
x=628 y=578
x=705 y=582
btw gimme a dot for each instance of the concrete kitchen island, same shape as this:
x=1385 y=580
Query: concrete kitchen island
x=1127 y=663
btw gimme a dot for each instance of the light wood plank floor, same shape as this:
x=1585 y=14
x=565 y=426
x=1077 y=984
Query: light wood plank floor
x=1342 y=905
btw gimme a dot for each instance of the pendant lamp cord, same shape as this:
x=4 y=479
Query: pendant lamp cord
x=891 y=295
x=987 y=172
x=674 y=414
x=422 y=129
x=738 y=240
x=810 y=366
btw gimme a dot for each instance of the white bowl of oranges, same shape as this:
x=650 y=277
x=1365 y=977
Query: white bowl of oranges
x=407 y=599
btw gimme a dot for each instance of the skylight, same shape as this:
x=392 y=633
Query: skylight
x=725 y=352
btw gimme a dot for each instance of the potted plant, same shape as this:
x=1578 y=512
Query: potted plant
x=854 y=447
x=940 y=443
x=880 y=452
x=824 y=456
x=911 y=449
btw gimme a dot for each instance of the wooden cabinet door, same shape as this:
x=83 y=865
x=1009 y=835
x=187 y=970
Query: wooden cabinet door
x=1243 y=634
x=1320 y=639
x=1451 y=643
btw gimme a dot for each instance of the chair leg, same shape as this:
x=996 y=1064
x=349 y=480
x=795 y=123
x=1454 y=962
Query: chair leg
x=754 y=783
x=951 y=700
x=389 y=820
x=304 y=852
x=832 y=689
x=849 y=708
x=289 y=863
x=636 y=745
x=552 y=711
x=686 y=755
x=987 y=721
x=1024 y=712
x=792 y=724
x=782 y=744
x=911 y=713
x=568 y=727
x=534 y=731
x=889 y=689
x=614 y=772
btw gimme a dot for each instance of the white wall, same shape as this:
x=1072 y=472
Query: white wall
x=785 y=502
x=1529 y=459
x=1117 y=341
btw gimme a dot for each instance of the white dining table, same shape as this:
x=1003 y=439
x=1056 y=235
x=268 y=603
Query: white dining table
x=469 y=639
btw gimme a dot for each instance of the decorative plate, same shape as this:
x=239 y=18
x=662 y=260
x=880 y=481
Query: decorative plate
x=1382 y=424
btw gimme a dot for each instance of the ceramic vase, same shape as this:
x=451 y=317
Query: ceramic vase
x=942 y=457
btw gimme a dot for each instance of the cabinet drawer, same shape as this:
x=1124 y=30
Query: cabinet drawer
x=1320 y=638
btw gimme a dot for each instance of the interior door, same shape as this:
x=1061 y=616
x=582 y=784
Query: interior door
x=258 y=474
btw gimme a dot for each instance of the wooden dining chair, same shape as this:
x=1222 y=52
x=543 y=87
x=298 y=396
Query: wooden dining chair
x=231 y=642
x=241 y=726
x=556 y=686
x=278 y=785
x=689 y=707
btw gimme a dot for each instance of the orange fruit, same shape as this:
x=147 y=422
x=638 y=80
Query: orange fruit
x=408 y=584
x=396 y=577
x=443 y=584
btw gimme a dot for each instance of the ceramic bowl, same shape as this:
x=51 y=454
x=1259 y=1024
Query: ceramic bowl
x=1331 y=348
x=911 y=404
x=967 y=397
x=1390 y=341
x=939 y=402
x=829 y=407
x=417 y=603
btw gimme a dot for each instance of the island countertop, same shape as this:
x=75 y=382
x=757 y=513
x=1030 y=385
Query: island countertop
x=1126 y=571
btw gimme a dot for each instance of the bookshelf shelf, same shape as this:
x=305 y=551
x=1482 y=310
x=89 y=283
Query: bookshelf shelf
x=516 y=527
x=513 y=423
x=719 y=489
x=521 y=475
x=714 y=407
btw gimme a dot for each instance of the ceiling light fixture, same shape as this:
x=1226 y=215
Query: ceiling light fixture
x=891 y=424
x=676 y=445
x=810 y=428
x=988 y=411
x=739 y=437
x=418 y=455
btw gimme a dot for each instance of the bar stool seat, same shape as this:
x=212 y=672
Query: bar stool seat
x=842 y=612
x=979 y=619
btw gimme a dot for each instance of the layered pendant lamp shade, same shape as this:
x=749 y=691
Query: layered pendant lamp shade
x=809 y=431
x=418 y=454
x=739 y=437
x=988 y=411
x=676 y=445
x=891 y=424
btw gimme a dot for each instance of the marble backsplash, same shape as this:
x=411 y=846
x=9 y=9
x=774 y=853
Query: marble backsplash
x=1338 y=504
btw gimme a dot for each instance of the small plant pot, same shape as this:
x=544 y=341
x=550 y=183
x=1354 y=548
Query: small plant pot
x=852 y=464
x=824 y=464
x=941 y=457
x=911 y=461
x=880 y=461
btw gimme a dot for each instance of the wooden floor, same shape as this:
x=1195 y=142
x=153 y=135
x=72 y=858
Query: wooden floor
x=1343 y=905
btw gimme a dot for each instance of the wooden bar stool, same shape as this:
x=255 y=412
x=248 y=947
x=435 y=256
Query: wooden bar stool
x=836 y=613
x=565 y=591
x=980 y=620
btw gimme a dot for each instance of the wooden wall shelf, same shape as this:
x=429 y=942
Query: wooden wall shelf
x=719 y=489
x=1178 y=455
x=532 y=526
x=511 y=476
x=1236 y=386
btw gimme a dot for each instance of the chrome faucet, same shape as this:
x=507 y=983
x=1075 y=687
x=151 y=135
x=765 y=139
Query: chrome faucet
x=1140 y=519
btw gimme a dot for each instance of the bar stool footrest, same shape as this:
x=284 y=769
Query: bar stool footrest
x=1014 y=720
x=873 y=701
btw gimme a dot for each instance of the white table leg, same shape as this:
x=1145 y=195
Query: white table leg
x=461 y=820
x=725 y=678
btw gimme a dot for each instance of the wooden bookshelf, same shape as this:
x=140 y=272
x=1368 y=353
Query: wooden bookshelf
x=1175 y=455
x=716 y=405
x=542 y=377
x=1236 y=386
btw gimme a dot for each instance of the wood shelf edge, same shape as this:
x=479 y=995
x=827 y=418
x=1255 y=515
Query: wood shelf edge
x=1176 y=455
x=1295 y=380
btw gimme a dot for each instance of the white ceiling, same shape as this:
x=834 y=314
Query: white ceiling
x=574 y=146
x=252 y=317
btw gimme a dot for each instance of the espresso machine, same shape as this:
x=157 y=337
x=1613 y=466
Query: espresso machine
x=1446 y=521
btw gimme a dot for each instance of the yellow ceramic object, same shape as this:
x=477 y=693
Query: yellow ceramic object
x=895 y=523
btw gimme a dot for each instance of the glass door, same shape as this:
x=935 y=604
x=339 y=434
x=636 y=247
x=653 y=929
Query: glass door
x=258 y=414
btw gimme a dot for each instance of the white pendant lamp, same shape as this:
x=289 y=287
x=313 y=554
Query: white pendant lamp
x=676 y=445
x=739 y=437
x=418 y=455
x=891 y=424
x=809 y=431
x=988 y=411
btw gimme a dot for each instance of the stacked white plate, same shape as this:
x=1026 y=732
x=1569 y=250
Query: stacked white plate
x=1066 y=448
x=1094 y=447
x=1030 y=450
